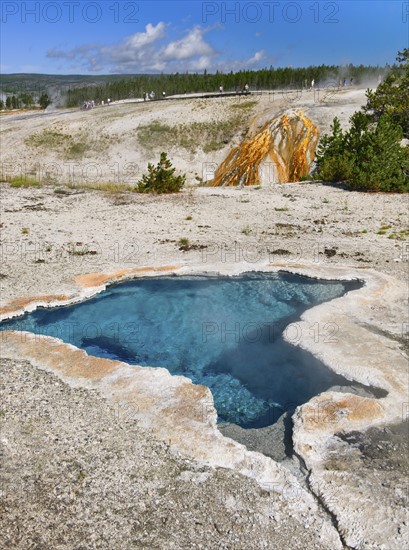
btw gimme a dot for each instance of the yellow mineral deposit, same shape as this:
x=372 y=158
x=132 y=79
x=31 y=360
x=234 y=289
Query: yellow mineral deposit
x=282 y=151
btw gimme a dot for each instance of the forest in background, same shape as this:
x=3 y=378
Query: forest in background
x=74 y=90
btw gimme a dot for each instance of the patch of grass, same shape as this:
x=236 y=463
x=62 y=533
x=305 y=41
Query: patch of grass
x=281 y=209
x=213 y=145
x=246 y=230
x=110 y=188
x=77 y=150
x=381 y=232
x=71 y=146
x=107 y=187
x=184 y=241
x=156 y=134
x=244 y=105
x=25 y=231
x=188 y=218
x=208 y=135
x=24 y=181
x=364 y=231
x=400 y=236
x=49 y=139
x=385 y=227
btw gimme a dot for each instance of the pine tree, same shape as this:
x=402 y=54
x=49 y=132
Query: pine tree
x=333 y=161
x=380 y=160
x=391 y=97
x=44 y=101
x=161 y=178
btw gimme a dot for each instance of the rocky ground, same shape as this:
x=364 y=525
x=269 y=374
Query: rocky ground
x=77 y=473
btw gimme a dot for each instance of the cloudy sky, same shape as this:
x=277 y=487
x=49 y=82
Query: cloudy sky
x=100 y=37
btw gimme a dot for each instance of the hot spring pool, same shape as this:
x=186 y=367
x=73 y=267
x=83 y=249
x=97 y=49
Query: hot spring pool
x=223 y=332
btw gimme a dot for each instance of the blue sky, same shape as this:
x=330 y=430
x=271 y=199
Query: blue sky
x=101 y=37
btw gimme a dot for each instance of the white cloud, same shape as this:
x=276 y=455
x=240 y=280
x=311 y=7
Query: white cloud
x=191 y=45
x=236 y=65
x=141 y=39
x=257 y=57
x=147 y=51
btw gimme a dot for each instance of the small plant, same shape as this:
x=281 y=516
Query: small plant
x=25 y=231
x=381 y=232
x=184 y=241
x=364 y=231
x=24 y=181
x=246 y=230
x=281 y=209
x=325 y=201
x=385 y=227
x=188 y=218
x=161 y=178
x=345 y=205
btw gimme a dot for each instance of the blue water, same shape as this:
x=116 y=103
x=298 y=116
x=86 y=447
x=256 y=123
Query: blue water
x=223 y=332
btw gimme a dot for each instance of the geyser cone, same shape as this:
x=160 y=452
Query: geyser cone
x=282 y=151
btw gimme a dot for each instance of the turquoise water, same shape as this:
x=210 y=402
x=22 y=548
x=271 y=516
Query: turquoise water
x=223 y=332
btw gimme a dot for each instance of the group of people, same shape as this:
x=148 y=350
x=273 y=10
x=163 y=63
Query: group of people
x=341 y=83
x=244 y=90
x=152 y=95
x=90 y=104
x=344 y=82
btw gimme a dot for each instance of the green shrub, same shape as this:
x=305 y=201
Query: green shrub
x=161 y=178
x=368 y=157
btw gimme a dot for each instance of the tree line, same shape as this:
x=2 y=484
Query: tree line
x=24 y=100
x=264 y=79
